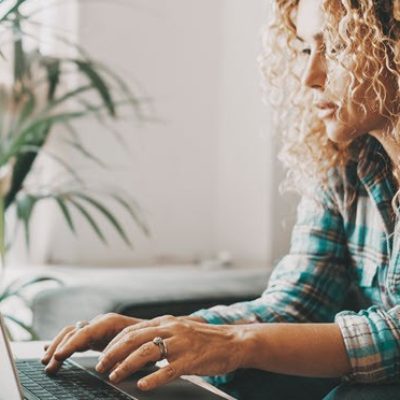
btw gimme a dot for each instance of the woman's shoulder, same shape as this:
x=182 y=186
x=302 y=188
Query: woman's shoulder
x=343 y=185
x=340 y=189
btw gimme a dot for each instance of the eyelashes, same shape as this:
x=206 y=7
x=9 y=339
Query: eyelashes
x=322 y=49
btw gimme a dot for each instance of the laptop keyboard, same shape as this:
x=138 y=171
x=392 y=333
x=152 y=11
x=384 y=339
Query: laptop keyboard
x=71 y=383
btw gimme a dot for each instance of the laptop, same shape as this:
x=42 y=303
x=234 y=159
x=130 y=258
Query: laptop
x=25 y=379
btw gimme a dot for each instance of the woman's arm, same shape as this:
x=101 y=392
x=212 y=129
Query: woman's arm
x=203 y=349
x=315 y=350
x=310 y=283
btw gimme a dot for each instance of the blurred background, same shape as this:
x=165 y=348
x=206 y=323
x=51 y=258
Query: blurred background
x=206 y=175
x=202 y=165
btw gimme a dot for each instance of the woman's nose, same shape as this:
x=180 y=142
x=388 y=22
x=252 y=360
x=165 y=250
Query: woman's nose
x=315 y=73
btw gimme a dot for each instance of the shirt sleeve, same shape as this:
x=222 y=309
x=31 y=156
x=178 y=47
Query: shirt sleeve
x=309 y=284
x=372 y=339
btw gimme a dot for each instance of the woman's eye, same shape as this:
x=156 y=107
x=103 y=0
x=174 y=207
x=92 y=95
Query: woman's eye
x=306 y=51
x=336 y=49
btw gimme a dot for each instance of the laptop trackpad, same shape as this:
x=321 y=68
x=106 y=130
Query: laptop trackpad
x=176 y=390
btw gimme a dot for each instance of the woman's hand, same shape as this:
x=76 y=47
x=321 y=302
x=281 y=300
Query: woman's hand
x=193 y=348
x=94 y=336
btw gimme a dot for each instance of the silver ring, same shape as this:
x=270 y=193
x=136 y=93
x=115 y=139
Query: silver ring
x=81 y=324
x=162 y=346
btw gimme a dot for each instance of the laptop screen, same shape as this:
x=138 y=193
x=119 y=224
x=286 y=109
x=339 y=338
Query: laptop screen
x=8 y=380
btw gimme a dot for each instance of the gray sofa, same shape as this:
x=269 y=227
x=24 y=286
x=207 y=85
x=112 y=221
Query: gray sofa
x=144 y=293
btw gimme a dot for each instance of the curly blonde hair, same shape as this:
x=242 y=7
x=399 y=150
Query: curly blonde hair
x=365 y=31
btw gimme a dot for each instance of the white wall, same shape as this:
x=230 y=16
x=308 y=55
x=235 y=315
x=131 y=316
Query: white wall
x=206 y=176
x=245 y=170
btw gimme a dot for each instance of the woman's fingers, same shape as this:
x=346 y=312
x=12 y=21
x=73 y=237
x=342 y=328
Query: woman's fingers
x=128 y=330
x=128 y=343
x=148 y=352
x=54 y=365
x=138 y=326
x=81 y=340
x=161 y=377
x=54 y=344
x=93 y=336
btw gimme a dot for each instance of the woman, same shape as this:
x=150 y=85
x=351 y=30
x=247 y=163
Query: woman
x=341 y=61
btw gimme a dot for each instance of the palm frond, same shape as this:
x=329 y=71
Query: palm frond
x=128 y=206
x=65 y=211
x=14 y=9
x=55 y=157
x=25 y=204
x=53 y=70
x=18 y=285
x=89 y=219
x=26 y=129
x=108 y=215
x=23 y=325
x=99 y=83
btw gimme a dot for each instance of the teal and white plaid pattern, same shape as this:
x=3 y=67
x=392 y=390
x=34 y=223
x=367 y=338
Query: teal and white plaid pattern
x=336 y=246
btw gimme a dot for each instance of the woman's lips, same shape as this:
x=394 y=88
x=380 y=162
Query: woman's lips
x=325 y=109
x=326 y=112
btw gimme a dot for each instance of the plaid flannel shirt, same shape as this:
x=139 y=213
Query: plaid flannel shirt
x=334 y=247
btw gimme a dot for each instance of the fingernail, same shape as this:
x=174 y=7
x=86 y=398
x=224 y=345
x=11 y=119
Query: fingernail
x=113 y=376
x=143 y=384
x=100 y=367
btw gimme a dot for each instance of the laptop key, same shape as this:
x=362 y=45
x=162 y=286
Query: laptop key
x=71 y=383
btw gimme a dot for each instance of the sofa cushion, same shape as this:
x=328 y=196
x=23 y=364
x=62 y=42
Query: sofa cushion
x=143 y=293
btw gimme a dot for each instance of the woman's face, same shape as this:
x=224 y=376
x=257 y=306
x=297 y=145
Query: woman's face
x=353 y=122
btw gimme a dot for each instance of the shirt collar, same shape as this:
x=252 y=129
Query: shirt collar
x=374 y=171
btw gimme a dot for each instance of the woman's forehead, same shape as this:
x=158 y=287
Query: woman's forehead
x=310 y=20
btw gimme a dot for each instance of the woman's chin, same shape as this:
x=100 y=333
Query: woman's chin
x=339 y=133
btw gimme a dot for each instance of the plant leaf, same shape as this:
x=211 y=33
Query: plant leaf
x=120 y=82
x=98 y=83
x=22 y=137
x=53 y=69
x=69 y=95
x=20 y=63
x=12 y=10
x=25 y=205
x=128 y=207
x=55 y=157
x=100 y=207
x=24 y=326
x=89 y=218
x=67 y=215
x=22 y=168
x=28 y=107
x=16 y=286
x=81 y=149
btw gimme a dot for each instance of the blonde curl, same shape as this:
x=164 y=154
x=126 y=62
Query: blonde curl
x=367 y=33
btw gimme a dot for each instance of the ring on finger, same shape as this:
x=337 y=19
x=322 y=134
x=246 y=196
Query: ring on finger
x=81 y=324
x=160 y=342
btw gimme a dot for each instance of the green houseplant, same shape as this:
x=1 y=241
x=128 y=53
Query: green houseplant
x=37 y=103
